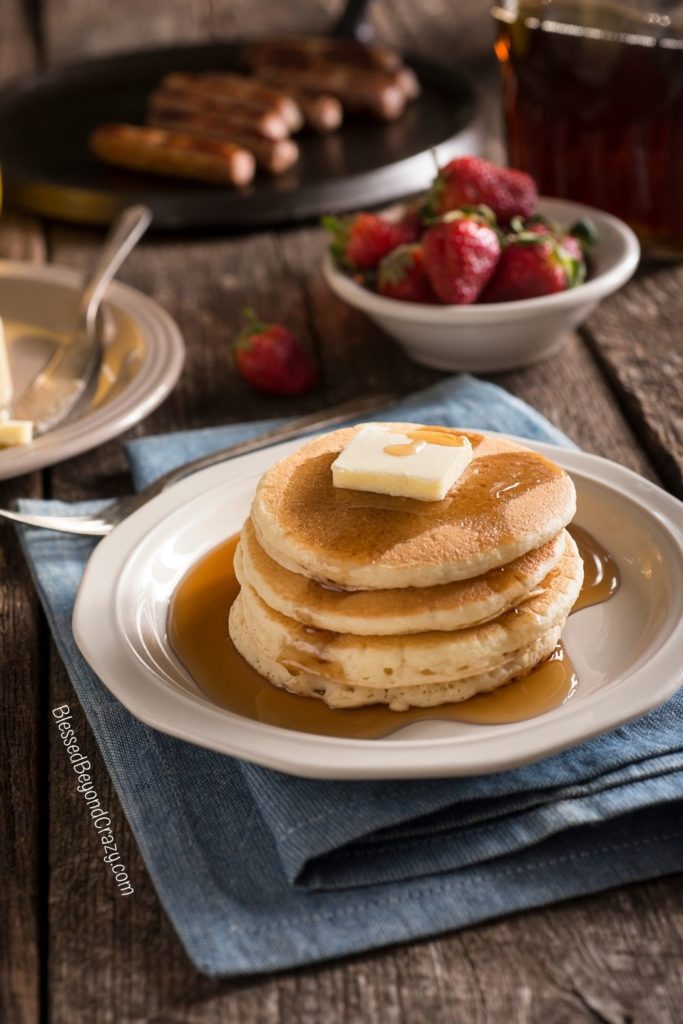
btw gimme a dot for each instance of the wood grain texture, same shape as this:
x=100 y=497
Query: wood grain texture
x=22 y=668
x=22 y=829
x=612 y=958
x=74 y=29
x=637 y=338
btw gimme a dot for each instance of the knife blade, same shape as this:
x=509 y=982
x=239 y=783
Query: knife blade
x=58 y=387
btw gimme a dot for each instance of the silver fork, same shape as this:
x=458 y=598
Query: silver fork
x=103 y=522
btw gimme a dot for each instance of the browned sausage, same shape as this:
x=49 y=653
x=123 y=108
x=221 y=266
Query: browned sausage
x=362 y=91
x=321 y=112
x=252 y=90
x=263 y=119
x=174 y=154
x=408 y=82
x=273 y=155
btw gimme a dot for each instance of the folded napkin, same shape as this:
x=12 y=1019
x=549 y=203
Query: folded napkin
x=259 y=870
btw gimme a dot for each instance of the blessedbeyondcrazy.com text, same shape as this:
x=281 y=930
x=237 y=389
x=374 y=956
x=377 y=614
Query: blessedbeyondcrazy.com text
x=101 y=820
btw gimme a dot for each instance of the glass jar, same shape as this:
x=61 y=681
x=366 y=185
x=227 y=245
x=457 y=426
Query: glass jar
x=593 y=96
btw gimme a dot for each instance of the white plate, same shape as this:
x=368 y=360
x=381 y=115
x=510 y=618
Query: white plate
x=141 y=364
x=628 y=652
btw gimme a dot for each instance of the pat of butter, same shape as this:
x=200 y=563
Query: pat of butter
x=15 y=432
x=11 y=431
x=388 y=462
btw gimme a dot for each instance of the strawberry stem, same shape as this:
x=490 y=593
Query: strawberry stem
x=254 y=323
x=339 y=229
x=585 y=231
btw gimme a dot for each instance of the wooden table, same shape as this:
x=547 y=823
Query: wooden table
x=71 y=949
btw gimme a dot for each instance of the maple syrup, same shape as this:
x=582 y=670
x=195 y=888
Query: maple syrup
x=420 y=437
x=198 y=634
x=593 y=97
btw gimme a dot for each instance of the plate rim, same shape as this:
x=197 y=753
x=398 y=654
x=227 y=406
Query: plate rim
x=162 y=362
x=304 y=753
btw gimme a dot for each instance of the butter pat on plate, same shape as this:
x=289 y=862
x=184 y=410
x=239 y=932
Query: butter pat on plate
x=404 y=465
x=11 y=431
x=14 y=431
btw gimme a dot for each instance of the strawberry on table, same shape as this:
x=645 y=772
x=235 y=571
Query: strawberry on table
x=402 y=275
x=470 y=181
x=460 y=255
x=361 y=241
x=272 y=359
x=532 y=265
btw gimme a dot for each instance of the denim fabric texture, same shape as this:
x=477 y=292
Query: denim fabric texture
x=260 y=871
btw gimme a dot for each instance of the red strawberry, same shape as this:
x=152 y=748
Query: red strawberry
x=533 y=265
x=469 y=181
x=460 y=255
x=402 y=275
x=272 y=359
x=576 y=239
x=361 y=241
x=411 y=220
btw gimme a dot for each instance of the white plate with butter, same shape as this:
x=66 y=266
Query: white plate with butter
x=142 y=360
x=627 y=652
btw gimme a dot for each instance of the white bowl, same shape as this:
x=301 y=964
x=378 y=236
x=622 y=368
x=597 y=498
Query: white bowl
x=502 y=335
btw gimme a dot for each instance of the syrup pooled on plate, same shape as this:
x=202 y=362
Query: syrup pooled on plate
x=198 y=633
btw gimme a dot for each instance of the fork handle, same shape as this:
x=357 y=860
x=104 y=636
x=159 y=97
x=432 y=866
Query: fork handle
x=285 y=432
x=124 y=235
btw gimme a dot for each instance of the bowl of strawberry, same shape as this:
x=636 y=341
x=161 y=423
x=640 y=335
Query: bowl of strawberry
x=481 y=273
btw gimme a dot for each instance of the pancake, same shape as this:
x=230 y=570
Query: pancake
x=447 y=606
x=419 y=658
x=508 y=501
x=337 y=694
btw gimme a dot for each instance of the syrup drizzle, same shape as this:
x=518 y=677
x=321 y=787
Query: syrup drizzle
x=420 y=437
x=198 y=633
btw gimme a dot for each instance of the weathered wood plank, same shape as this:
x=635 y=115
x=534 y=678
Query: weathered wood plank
x=637 y=338
x=73 y=30
x=22 y=666
x=21 y=781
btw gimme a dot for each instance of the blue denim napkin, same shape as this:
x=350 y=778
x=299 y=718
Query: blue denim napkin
x=260 y=871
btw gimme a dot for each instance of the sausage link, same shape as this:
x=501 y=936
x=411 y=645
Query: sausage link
x=174 y=154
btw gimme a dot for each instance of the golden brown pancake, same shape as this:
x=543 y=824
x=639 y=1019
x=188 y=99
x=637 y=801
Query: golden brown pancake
x=508 y=501
x=446 y=606
x=419 y=658
x=341 y=694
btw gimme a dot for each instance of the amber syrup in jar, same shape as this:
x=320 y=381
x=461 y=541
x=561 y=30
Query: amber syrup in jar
x=593 y=97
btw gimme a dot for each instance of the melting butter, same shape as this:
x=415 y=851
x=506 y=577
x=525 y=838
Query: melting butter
x=422 y=463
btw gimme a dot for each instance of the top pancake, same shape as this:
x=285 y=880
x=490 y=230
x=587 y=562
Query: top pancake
x=508 y=501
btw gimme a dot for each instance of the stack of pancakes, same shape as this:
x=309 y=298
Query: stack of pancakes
x=359 y=598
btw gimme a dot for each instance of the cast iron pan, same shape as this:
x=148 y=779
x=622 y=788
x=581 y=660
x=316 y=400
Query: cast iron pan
x=47 y=169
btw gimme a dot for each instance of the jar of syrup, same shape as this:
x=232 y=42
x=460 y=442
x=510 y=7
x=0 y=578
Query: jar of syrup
x=593 y=97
